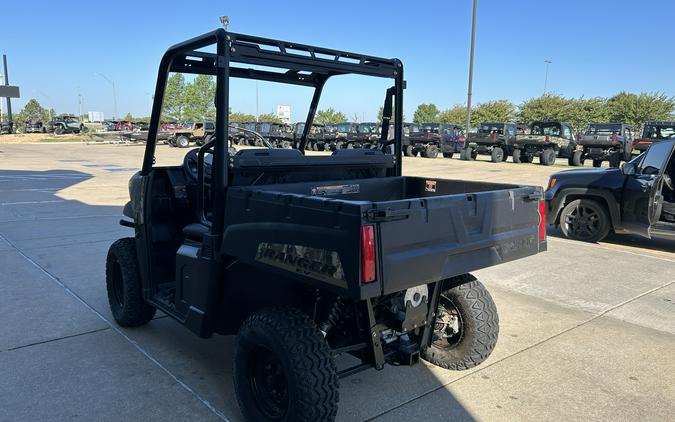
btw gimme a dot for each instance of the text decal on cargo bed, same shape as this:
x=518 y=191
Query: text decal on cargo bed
x=335 y=190
x=319 y=264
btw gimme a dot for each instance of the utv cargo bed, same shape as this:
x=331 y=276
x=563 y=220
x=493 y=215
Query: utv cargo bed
x=425 y=229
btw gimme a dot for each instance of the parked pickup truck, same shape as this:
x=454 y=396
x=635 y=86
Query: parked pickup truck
x=547 y=140
x=605 y=141
x=307 y=257
x=639 y=198
x=655 y=132
x=493 y=139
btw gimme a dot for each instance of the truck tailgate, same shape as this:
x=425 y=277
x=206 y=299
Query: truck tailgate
x=445 y=236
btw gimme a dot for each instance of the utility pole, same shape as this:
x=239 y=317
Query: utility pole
x=548 y=62
x=111 y=82
x=9 y=102
x=468 y=97
x=256 y=101
x=79 y=104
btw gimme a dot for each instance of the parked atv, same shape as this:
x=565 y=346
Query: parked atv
x=604 y=141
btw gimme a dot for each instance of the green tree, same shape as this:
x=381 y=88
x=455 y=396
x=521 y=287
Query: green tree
x=546 y=107
x=635 y=109
x=128 y=117
x=199 y=98
x=493 y=111
x=426 y=113
x=455 y=115
x=329 y=116
x=580 y=112
x=269 y=117
x=241 y=117
x=31 y=111
x=173 y=97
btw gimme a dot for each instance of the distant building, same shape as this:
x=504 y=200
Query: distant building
x=95 y=116
x=284 y=113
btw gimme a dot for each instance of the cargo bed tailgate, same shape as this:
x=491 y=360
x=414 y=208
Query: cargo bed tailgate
x=429 y=239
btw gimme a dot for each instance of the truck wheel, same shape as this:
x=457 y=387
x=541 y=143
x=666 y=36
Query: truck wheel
x=284 y=369
x=547 y=157
x=447 y=155
x=597 y=163
x=516 y=156
x=470 y=154
x=430 y=151
x=182 y=142
x=409 y=151
x=58 y=130
x=123 y=283
x=497 y=155
x=575 y=158
x=585 y=220
x=614 y=160
x=466 y=326
x=527 y=157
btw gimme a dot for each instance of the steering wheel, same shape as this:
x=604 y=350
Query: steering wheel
x=191 y=164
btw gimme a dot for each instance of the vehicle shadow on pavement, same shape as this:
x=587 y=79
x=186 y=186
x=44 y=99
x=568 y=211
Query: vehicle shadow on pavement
x=654 y=244
x=61 y=246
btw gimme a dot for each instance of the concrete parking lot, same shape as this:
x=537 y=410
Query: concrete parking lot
x=587 y=330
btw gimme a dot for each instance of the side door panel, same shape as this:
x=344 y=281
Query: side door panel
x=642 y=197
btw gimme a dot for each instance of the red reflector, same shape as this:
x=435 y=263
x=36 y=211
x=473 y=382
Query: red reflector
x=542 y=220
x=367 y=254
x=494 y=137
x=615 y=138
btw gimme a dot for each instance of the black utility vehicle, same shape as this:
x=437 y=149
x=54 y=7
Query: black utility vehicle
x=279 y=135
x=653 y=132
x=547 y=140
x=432 y=138
x=345 y=134
x=639 y=198
x=309 y=257
x=34 y=126
x=605 y=141
x=6 y=127
x=367 y=134
x=315 y=138
x=493 y=139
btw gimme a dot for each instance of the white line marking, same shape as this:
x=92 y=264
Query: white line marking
x=117 y=330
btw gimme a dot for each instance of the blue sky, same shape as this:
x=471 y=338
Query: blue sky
x=598 y=48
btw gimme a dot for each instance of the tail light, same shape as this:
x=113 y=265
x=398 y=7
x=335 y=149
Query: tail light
x=615 y=139
x=493 y=137
x=542 y=220
x=547 y=139
x=367 y=254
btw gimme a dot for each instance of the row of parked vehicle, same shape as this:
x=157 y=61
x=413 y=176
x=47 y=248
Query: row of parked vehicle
x=547 y=140
x=63 y=123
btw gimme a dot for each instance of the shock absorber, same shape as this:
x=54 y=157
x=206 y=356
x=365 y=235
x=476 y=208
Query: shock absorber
x=335 y=312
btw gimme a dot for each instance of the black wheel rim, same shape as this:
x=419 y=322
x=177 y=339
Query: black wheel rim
x=268 y=383
x=583 y=222
x=118 y=284
x=449 y=326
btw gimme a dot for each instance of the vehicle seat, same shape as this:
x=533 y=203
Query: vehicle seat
x=195 y=231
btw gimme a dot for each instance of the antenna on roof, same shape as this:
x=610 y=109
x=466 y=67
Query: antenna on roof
x=225 y=20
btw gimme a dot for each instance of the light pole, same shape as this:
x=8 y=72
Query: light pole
x=2 y=82
x=111 y=82
x=79 y=104
x=468 y=97
x=548 y=62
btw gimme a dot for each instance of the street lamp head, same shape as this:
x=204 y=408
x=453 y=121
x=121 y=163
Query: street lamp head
x=225 y=20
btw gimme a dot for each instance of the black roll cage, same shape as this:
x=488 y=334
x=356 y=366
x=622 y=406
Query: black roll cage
x=305 y=66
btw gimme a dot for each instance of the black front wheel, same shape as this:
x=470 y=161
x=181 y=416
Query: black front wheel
x=497 y=155
x=466 y=327
x=123 y=283
x=284 y=369
x=584 y=219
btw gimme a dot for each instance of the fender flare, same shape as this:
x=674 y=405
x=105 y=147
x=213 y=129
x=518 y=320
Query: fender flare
x=560 y=199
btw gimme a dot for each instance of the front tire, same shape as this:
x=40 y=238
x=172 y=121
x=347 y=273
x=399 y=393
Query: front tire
x=585 y=220
x=575 y=158
x=447 y=155
x=497 y=155
x=182 y=142
x=466 y=326
x=430 y=151
x=284 y=369
x=547 y=157
x=123 y=283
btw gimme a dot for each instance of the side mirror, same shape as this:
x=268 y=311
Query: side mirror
x=628 y=169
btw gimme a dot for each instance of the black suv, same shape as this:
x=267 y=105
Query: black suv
x=639 y=198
